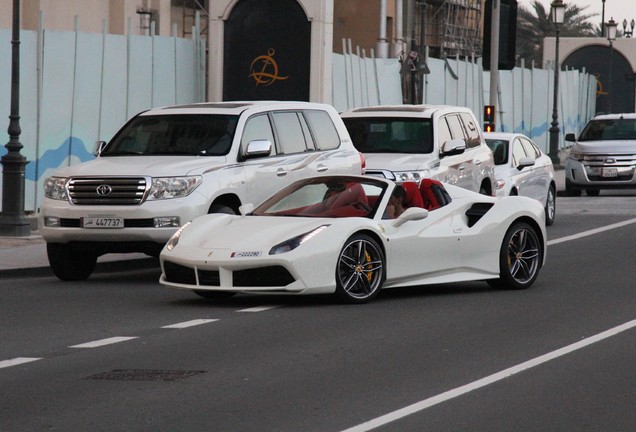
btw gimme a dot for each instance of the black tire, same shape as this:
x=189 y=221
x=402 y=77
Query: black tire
x=214 y=295
x=550 y=206
x=592 y=192
x=570 y=191
x=520 y=258
x=70 y=264
x=360 y=270
x=220 y=208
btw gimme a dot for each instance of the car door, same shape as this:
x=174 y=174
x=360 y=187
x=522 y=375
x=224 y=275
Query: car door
x=522 y=179
x=266 y=174
x=424 y=248
x=540 y=176
x=458 y=170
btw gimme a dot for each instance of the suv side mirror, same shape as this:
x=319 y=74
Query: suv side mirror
x=453 y=147
x=99 y=147
x=258 y=148
x=570 y=137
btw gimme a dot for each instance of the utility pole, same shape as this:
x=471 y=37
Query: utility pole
x=494 y=52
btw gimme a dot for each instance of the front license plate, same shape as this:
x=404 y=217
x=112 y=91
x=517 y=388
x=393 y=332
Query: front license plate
x=102 y=222
x=610 y=172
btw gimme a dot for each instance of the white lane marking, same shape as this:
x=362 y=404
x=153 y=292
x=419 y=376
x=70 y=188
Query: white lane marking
x=187 y=324
x=459 y=391
x=259 y=308
x=592 y=232
x=102 y=342
x=17 y=361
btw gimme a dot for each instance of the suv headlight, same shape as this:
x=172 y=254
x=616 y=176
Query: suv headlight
x=415 y=176
x=55 y=188
x=173 y=187
x=576 y=155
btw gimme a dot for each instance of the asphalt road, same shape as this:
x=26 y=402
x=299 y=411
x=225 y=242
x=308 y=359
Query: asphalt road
x=119 y=352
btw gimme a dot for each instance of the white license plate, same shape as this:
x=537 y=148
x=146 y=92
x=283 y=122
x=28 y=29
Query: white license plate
x=609 y=172
x=102 y=222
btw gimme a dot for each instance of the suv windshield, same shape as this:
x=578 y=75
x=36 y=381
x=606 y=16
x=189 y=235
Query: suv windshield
x=183 y=134
x=391 y=135
x=614 y=129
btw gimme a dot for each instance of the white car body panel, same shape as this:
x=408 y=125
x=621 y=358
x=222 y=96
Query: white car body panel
x=439 y=248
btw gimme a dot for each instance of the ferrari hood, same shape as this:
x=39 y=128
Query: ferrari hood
x=242 y=233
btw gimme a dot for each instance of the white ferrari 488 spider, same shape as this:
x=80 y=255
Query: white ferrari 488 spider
x=336 y=234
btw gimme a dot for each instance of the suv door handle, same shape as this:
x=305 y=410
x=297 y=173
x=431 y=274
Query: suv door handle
x=281 y=172
x=322 y=168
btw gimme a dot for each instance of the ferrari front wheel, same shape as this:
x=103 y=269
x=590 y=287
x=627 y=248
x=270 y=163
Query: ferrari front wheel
x=360 y=269
x=519 y=258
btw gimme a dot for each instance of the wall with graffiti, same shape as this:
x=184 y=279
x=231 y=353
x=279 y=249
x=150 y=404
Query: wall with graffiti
x=525 y=98
x=78 y=88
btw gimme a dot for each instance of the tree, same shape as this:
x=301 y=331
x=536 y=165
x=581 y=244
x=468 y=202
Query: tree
x=533 y=25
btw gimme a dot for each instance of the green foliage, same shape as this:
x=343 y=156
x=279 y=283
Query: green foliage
x=533 y=25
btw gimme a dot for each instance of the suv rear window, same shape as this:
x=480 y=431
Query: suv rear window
x=615 y=129
x=391 y=135
x=178 y=134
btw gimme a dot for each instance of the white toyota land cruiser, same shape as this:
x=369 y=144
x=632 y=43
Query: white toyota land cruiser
x=412 y=142
x=169 y=165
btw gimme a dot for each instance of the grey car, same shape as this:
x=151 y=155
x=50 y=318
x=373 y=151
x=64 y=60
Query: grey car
x=603 y=156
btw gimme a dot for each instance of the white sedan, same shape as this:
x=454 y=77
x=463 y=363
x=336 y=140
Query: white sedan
x=332 y=235
x=521 y=168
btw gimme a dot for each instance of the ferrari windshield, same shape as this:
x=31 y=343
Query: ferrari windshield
x=609 y=129
x=391 y=134
x=173 y=135
x=326 y=197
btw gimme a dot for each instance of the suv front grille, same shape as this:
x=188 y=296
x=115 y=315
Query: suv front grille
x=107 y=190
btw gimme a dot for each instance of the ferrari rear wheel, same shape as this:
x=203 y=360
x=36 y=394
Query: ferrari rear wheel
x=519 y=258
x=360 y=270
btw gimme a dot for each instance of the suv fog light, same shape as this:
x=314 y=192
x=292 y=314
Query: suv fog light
x=52 y=222
x=167 y=222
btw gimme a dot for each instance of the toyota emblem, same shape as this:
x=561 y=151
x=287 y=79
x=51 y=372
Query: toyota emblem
x=610 y=161
x=104 y=190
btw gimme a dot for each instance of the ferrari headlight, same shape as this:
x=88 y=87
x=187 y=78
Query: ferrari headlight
x=55 y=188
x=173 y=187
x=414 y=176
x=294 y=242
x=172 y=243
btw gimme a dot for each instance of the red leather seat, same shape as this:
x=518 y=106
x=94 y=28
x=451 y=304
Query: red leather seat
x=433 y=194
x=413 y=197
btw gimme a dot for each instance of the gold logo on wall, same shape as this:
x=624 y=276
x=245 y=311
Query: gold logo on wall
x=268 y=73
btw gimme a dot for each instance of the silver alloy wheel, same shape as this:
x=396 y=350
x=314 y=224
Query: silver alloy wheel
x=550 y=207
x=523 y=255
x=360 y=270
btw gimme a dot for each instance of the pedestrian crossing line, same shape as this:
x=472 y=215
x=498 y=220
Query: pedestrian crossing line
x=187 y=324
x=17 y=361
x=102 y=342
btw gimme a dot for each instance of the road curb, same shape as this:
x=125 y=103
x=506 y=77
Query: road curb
x=101 y=267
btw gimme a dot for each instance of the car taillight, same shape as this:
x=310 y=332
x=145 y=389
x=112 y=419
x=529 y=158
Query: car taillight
x=363 y=163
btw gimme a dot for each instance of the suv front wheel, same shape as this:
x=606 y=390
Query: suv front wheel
x=70 y=264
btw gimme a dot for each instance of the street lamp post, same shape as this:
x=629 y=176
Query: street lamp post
x=611 y=37
x=12 y=219
x=557 y=14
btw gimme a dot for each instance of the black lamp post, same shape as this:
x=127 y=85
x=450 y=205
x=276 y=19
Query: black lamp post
x=557 y=14
x=12 y=219
x=611 y=37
